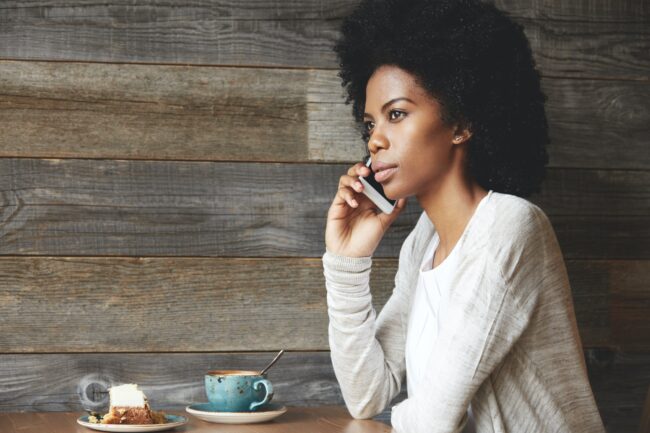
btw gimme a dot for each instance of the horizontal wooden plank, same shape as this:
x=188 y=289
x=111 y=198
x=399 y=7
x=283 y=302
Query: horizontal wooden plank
x=598 y=11
x=163 y=208
x=607 y=237
x=170 y=381
x=582 y=49
x=64 y=110
x=583 y=113
x=571 y=192
x=162 y=32
x=300 y=35
x=73 y=382
x=611 y=299
x=645 y=417
x=619 y=381
x=153 y=112
x=91 y=304
x=91 y=207
x=159 y=11
x=116 y=305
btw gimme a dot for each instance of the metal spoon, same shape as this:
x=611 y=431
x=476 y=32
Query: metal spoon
x=272 y=362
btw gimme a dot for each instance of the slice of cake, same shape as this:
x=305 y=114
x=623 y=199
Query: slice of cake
x=128 y=405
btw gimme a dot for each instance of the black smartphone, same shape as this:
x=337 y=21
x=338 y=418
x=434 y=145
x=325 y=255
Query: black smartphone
x=374 y=191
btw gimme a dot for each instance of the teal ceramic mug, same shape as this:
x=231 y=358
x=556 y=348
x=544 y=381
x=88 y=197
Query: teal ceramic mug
x=237 y=390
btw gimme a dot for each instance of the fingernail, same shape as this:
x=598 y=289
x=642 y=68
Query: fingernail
x=354 y=203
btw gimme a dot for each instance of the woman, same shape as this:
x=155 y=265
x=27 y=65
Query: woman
x=481 y=321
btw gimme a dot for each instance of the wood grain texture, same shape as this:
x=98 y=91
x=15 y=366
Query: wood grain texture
x=64 y=110
x=153 y=112
x=97 y=304
x=644 y=426
x=583 y=113
x=582 y=49
x=612 y=302
x=164 y=208
x=580 y=192
x=281 y=33
x=273 y=33
x=136 y=208
x=596 y=11
x=604 y=237
x=619 y=381
x=80 y=381
x=123 y=11
x=58 y=382
x=140 y=305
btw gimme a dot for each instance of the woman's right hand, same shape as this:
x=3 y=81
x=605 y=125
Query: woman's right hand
x=354 y=225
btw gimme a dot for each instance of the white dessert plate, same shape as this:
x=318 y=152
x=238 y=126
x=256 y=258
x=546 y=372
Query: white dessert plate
x=206 y=412
x=173 y=421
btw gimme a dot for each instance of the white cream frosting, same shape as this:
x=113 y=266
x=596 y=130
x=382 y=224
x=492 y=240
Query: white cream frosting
x=126 y=396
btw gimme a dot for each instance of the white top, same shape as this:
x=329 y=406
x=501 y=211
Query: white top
x=508 y=343
x=428 y=315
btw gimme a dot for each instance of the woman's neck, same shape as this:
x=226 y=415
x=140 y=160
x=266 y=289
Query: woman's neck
x=450 y=207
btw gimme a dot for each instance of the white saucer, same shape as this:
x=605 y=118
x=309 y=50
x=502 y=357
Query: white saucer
x=206 y=412
x=173 y=421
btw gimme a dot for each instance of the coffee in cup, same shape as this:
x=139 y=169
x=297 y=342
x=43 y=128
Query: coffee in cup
x=237 y=390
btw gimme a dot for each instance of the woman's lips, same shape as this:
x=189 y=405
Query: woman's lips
x=381 y=176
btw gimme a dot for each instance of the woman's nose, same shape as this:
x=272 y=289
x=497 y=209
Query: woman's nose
x=377 y=141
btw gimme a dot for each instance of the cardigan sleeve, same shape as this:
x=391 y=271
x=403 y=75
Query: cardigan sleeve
x=367 y=350
x=489 y=310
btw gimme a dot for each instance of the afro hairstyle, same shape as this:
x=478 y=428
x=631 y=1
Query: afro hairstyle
x=475 y=61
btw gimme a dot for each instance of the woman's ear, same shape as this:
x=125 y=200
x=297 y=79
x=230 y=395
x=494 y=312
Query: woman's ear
x=462 y=133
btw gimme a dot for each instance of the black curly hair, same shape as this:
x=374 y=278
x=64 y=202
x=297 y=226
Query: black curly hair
x=475 y=61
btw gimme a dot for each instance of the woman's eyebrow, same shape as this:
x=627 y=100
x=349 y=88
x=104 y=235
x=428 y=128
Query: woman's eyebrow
x=383 y=107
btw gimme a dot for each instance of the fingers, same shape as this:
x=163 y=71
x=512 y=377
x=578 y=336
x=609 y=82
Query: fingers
x=389 y=218
x=348 y=189
x=358 y=169
x=350 y=186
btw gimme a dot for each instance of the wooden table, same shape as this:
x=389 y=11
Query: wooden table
x=325 y=419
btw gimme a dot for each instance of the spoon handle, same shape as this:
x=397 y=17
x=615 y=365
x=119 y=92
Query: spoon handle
x=272 y=362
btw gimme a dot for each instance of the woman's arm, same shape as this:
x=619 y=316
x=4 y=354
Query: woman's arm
x=367 y=351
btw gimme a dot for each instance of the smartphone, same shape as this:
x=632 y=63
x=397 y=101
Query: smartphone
x=374 y=191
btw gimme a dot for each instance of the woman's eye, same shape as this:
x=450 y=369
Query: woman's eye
x=397 y=113
x=393 y=114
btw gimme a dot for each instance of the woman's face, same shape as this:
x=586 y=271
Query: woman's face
x=405 y=130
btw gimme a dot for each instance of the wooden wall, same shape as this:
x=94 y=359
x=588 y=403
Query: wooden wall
x=166 y=169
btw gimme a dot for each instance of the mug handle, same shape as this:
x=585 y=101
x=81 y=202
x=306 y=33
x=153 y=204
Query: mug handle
x=269 y=393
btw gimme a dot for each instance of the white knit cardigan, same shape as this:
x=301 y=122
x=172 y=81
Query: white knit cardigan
x=512 y=350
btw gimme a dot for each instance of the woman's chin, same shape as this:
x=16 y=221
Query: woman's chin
x=392 y=193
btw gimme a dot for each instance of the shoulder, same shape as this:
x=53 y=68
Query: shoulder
x=515 y=216
x=514 y=219
x=515 y=233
